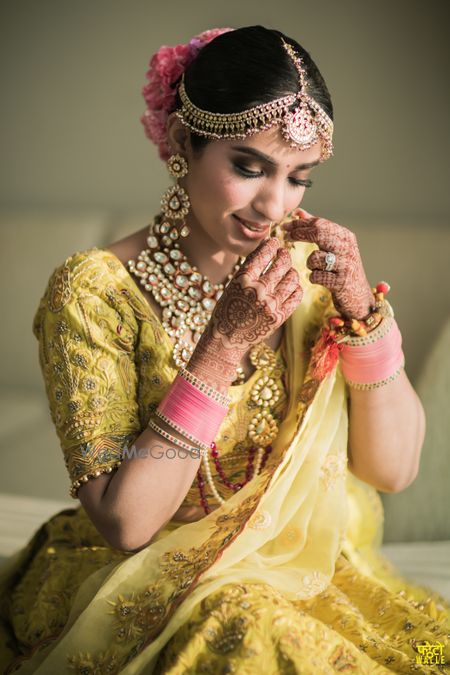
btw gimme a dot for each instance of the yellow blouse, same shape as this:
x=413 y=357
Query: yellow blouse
x=107 y=363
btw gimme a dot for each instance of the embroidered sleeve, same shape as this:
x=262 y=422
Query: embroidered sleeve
x=87 y=333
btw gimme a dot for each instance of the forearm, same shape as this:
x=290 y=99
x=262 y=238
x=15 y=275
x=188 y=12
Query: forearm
x=386 y=432
x=148 y=488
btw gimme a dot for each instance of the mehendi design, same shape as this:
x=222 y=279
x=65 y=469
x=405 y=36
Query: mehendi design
x=289 y=284
x=242 y=317
x=351 y=291
x=259 y=258
x=214 y=364
x=254 y=304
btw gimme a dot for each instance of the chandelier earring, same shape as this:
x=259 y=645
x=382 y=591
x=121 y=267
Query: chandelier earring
x=175 y=202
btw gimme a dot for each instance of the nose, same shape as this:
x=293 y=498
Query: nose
x=270 y=201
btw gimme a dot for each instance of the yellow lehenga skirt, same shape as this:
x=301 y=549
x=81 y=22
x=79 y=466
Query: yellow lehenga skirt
x=284 y=577
x=367 y=620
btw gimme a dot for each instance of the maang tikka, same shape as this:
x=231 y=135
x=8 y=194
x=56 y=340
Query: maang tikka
x=175 y=202
x=301 y=127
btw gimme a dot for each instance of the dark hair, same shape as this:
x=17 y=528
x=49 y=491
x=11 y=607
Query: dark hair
x=247 y=67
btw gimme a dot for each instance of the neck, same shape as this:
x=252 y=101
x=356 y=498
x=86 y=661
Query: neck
x=211 y=261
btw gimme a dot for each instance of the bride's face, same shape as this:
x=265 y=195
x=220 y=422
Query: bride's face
x=258 y=179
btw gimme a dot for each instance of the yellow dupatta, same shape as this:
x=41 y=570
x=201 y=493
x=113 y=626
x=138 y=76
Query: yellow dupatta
x=284 y=528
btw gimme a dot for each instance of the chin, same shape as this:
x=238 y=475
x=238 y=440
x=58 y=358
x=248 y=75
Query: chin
x=238 y=247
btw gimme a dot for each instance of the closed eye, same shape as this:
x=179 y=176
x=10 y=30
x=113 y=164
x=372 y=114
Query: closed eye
x=294 y=182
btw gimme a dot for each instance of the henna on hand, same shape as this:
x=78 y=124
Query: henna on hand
x=350 y=289
x=213 y=364
x=259 y=298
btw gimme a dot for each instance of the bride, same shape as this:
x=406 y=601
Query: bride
x=229 y=392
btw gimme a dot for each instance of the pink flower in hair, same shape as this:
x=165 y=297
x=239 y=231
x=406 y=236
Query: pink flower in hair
x=166 y=66
x=202 y=39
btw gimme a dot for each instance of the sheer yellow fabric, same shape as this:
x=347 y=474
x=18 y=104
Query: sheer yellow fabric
x=286 y=566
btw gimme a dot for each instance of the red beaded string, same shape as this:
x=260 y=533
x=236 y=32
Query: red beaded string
x=249 y=471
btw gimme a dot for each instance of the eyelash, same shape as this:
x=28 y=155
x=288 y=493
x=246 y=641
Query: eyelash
x=242 y=171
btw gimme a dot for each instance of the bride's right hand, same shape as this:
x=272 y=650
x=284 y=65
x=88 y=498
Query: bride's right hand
x=253 y=305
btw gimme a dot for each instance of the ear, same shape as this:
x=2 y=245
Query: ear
x=178 y=135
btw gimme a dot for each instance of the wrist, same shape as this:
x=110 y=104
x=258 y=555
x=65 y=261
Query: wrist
x=379 y=309
x=215 y=365
x=375 y=360
x=193 y=412
x=340 y=334
x=206 y=370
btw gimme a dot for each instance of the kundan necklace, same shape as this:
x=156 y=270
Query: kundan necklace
x=186 y=296
x=188 y=299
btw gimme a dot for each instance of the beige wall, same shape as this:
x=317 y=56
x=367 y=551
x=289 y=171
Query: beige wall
x=72 y=74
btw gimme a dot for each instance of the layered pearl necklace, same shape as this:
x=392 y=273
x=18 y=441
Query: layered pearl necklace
x=188 y=299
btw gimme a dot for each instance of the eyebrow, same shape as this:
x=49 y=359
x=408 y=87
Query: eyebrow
x=265 y=158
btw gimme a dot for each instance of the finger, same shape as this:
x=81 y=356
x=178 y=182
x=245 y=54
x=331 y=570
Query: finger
x=328 y=279
x=306 y=217
x=287 y=284
x=293 y=301
x=303 y=232
x=329 y=236
x=261 y=257
x=299 y=216
x=278 y=268
x=317 y=261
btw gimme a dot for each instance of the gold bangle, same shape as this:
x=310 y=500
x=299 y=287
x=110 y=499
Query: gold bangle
x=382 y=328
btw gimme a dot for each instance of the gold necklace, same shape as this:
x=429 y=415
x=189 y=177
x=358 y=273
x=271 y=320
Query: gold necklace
x=187 y=297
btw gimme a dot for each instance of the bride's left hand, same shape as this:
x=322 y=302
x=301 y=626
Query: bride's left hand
x=347 y=281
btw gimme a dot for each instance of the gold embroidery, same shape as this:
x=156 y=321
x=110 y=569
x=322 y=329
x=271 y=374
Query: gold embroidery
x=289 y=536
x=137 y=614
x=98 y=456
x=59 y=289
x=342 y=661
x=260 y=521
x=100 y=663
x=312 y=584
x=333 y=469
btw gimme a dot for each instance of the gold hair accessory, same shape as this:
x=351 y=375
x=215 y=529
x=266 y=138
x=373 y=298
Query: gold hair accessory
x=308 y=123
x=301 y=127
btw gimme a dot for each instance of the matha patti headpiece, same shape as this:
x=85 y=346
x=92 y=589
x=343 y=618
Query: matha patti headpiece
x=301 y=127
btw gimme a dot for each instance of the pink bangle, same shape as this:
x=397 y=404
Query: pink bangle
x=375 y=362
x=193 y=411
